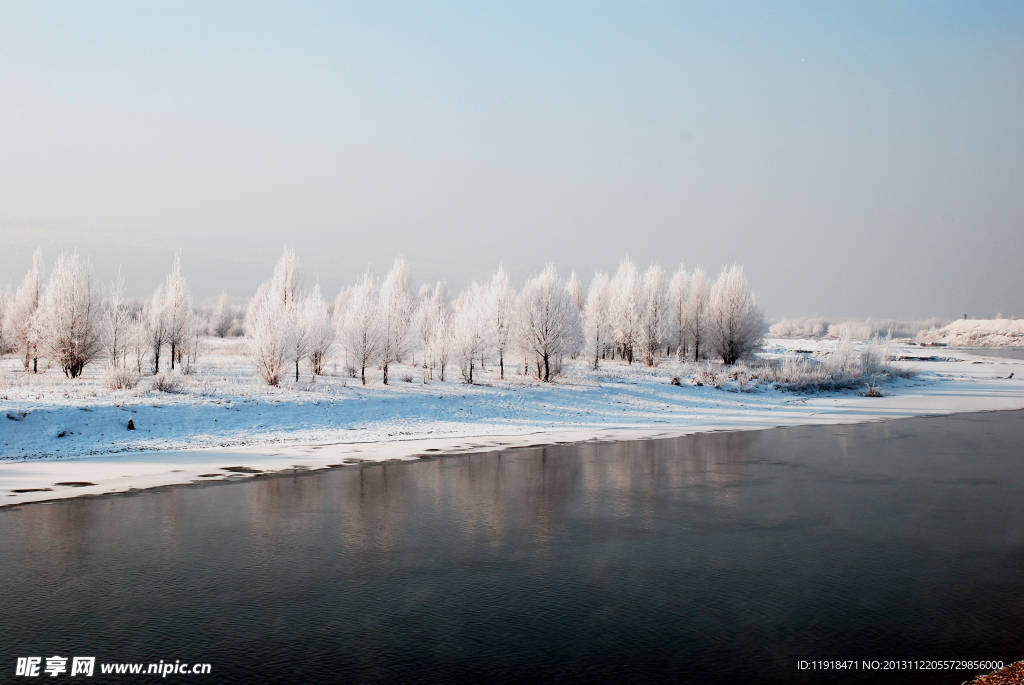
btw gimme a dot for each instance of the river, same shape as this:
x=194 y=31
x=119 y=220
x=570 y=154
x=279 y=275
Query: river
x=714 y=558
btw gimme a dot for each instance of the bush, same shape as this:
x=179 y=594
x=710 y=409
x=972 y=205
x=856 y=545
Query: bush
x=164 y=382
x=872 y=390
x=120 y=379
x=707 y=376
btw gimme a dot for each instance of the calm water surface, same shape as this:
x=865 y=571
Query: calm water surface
x=718 y=558
x=1003 y=352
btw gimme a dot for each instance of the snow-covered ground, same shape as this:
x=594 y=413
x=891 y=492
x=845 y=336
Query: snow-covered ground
x=64 y=438
x=977 y=333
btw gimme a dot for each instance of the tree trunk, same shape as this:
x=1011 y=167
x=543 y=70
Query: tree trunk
x=501 y=363
x=547 y=369
x=156 y=361
x=471 y=371
x=385 y=373
x=35 y=364
x=296 y=370
x=364 y=374
x=172 y=356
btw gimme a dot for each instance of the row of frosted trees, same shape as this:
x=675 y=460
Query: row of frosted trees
x=65 y=320
x=378 y=323
x=629 y=315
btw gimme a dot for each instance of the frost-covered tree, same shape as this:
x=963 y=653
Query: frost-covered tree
x=298 y=333
x=577 y=341
x=288 y=290
x=502 y=309
x=626 y=305
x=222 y=317
x=360 y=333
x=423 y=324
x=191 y=344
x=338 y=318
x=273 y=331
x=443 y=344
x=267 y=340
x=395 y=315
x=433 y=325
x=737 y=322
x=177 y=312
x=70 y=316
x=652 y=312
x=155 y=312
x=575 y=289
x=6 y=339
x=319 y=329
x=597 y=315
x=697 y=320
x=421 y=329
x=21 y=324
x=548 y=321
x=472 y=328
x=117 y=326
x=338 y=310
x=678 y=292
x=139 y=339
x=287 y=281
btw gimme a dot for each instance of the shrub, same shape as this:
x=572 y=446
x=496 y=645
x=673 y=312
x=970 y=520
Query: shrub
x=120 y=378
x=707 y=376
x=164 y=382
x=872 y=390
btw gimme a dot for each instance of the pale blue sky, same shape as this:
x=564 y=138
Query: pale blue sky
x=861 y=159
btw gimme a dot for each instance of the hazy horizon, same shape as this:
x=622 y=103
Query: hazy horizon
x=860 y=161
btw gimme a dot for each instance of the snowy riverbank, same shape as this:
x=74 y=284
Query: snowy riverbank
x=995 y=333
x=54 y=431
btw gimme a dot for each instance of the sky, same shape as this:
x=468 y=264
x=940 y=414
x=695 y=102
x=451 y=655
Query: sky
x=858 y=159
